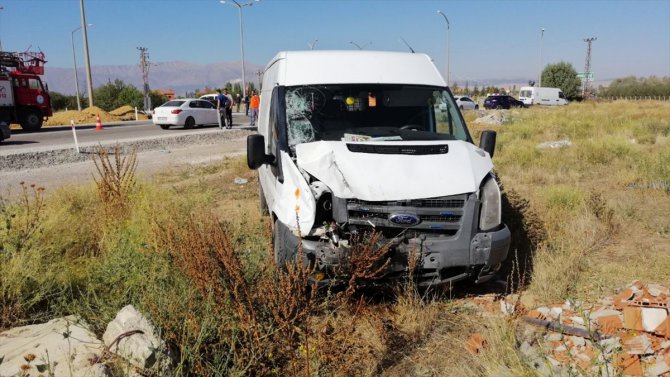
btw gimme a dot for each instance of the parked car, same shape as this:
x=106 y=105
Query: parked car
x=210 y=97
x=187 y=112
x=466 y=103
x=502 y=102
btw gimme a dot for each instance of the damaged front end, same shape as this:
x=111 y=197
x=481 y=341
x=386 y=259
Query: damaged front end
x=436 y=240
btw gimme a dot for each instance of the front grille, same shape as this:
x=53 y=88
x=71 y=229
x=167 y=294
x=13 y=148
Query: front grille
x=434 y=214
x=399 y=149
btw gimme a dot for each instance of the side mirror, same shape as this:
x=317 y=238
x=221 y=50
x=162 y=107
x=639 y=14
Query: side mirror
x=487 y=141
x=256 y=156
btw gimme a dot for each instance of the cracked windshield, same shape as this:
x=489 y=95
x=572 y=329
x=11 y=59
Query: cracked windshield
x=371 y=113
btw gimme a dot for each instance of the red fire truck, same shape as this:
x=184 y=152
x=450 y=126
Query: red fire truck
x=24 y=99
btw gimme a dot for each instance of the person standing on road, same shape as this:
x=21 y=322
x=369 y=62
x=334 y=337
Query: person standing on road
x=229 y=108
x=246 y=105
x=254 y=104
x=221 y=103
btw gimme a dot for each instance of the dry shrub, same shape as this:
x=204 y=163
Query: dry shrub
x=116 y=180
x=260 y=314
x=367 y=260
x=19 y=223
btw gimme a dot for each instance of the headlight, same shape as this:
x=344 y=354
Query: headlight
x=489 y=194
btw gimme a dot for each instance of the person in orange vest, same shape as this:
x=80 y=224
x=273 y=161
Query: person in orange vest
x=254 y=104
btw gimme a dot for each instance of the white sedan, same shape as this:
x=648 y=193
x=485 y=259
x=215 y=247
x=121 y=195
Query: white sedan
x=466 y=103
x=187 y=112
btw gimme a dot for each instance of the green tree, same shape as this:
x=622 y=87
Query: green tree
x=116 y=94
x=563 y=76
x=61 y=102
x=157 y=99
x=633 y=86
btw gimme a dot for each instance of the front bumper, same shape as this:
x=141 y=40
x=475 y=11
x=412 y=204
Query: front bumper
x=441 y=260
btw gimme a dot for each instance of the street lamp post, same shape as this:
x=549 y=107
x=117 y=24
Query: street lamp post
x=539 y=78
x=448 y=38
x=74 y=60
x=239 y=6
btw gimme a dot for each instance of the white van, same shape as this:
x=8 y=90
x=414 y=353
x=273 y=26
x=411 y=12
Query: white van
x=351 y=142
x=542 y=96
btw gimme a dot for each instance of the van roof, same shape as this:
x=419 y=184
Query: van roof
x=355 y=67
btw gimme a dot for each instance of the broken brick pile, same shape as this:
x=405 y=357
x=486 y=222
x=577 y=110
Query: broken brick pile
x=626 y=334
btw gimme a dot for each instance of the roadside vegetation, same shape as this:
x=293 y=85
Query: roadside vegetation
x=191 y=251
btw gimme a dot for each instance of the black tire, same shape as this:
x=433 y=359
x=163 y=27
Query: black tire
x=285 y=245
x=476 y=107
x=31 y=119
x=165 y=126
x=189 y=123
x=262 y=203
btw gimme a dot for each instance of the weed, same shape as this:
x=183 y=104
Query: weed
x=116 y=179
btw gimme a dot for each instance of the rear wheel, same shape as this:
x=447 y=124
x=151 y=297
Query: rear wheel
x=165 y=126
x=31 y=119
x=190 y=122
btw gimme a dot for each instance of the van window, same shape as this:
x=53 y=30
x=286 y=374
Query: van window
x=560 y=94
x=525 y=93
x=378 y=112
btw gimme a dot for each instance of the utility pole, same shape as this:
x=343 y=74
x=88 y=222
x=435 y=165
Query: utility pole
x=259 y=73
x=144 y=66
x=89 y=80
x=587 y=67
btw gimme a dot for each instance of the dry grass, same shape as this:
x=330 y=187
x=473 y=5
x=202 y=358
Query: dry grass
x=192 y=252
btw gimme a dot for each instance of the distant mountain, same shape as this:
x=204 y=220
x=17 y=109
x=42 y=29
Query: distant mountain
x=179 y=76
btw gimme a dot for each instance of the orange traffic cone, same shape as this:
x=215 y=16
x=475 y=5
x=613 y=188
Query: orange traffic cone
x=98 y=124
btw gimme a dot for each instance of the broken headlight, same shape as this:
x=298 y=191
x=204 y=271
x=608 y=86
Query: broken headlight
x=489 y=195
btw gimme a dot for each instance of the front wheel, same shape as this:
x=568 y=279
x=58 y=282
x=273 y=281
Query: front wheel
x=285 y=245
x=165 y=126
x=31 y=120
x=263 y=204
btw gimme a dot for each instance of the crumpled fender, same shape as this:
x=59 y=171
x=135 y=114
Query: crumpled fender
x=294 y=197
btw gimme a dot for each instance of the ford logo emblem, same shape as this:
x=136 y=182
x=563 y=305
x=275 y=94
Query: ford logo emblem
x=404 y=219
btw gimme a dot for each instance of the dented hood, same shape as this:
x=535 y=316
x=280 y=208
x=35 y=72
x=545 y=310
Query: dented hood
x=375 y=175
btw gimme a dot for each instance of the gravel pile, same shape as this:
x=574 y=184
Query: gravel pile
x=33 y=160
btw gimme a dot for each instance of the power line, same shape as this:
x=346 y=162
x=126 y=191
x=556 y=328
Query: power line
x=587 y=67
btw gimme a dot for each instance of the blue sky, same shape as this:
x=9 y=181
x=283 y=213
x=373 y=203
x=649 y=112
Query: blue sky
x=489 y=39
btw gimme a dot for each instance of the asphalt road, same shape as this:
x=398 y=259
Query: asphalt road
x=47 y=157
x=61 y=137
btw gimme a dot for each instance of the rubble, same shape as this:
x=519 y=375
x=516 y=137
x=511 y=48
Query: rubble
x=626 y=334
x=133 y=337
